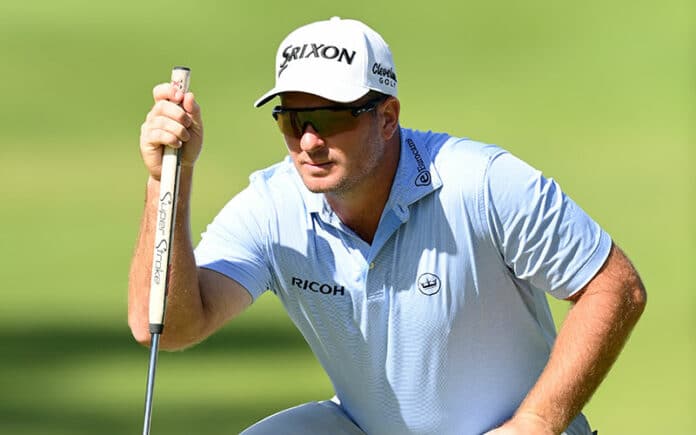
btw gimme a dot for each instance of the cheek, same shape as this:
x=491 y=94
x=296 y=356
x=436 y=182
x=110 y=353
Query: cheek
x=367 y=144
x=294 y=150
x=293 y=147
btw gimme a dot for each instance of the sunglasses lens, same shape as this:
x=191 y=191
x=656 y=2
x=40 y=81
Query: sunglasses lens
x=286 y=123
x=325 y=122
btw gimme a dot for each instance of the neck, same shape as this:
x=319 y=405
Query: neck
x=361 y=208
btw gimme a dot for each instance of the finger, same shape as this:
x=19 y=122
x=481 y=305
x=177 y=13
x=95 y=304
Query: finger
x=166 y=91
x=156 y=137
x=170 y=110
x=171 y=126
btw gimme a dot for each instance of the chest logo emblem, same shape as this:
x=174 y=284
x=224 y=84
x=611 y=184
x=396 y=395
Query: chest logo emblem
x=429 y=284
x=318 y=287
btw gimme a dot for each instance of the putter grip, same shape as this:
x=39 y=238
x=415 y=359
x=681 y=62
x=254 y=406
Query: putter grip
x=165 y=220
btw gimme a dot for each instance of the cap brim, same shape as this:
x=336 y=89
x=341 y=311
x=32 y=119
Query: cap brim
x=333 y=93
x=265 y=98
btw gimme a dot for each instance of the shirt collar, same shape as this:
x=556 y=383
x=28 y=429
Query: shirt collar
x=416 y=175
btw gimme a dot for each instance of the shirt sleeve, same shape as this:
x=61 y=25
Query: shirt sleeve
x=542 y=234
x=234 y=243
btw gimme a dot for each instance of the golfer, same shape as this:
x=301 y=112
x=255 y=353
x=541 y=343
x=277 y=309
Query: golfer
x=415 y=264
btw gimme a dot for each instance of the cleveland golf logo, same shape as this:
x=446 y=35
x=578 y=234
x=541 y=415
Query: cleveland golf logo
x=305 y=51
x=387 y=76
x=429 y=284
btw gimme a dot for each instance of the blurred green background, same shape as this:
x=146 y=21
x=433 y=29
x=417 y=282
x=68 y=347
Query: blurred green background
x=599 y=95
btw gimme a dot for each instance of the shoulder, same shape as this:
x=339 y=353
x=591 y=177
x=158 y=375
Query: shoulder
x=271 y=193
x=449 y=152
x=457 y=161
x=277 y=177
x=279 y=186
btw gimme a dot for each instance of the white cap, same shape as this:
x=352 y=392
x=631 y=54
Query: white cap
x=340 y=60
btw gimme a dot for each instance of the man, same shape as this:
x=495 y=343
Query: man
x=414 y=264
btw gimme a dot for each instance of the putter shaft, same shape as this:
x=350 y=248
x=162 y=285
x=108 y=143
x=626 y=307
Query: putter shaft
x=150 y=383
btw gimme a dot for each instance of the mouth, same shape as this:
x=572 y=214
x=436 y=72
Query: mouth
x=318 y=165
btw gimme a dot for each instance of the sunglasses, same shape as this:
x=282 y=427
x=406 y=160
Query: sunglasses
x=325 y=120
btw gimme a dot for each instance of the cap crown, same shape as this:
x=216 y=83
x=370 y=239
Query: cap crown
x=340 y=60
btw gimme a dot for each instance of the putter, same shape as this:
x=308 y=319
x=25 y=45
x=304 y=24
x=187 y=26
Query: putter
x=164 y=235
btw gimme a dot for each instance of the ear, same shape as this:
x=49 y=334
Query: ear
x=390 y=117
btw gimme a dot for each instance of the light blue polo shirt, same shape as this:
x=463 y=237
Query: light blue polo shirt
x=441 y=325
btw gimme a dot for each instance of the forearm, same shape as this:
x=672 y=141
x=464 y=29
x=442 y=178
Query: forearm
x=587 y=345
x=184 y=308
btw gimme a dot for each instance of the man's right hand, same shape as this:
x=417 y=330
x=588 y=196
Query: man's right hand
x=174 y=120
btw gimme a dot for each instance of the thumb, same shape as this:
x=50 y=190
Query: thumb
x=191 y=106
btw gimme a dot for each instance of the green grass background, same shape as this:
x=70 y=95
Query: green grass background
x=599 y=95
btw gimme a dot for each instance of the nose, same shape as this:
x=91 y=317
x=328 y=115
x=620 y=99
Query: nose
x=311 y=141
